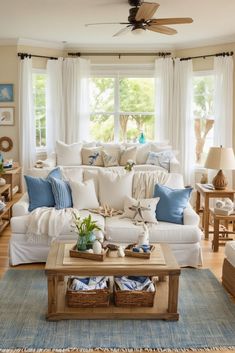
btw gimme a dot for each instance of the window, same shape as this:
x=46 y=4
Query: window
x=121 y=108
x=39 y=95
x=203 y=109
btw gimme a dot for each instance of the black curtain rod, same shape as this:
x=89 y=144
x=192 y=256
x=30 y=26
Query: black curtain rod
x=208 y=56
x=26 y=55
x=163 y=54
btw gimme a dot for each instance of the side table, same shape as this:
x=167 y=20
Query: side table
x=13 y=177
x=205 y=193
x=217 y=218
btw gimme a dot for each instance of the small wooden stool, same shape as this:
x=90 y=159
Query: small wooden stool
x=216 y=238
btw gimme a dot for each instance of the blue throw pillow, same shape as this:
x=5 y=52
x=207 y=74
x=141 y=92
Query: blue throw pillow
x=62 y=193
x=172 y=203
x=40 y=191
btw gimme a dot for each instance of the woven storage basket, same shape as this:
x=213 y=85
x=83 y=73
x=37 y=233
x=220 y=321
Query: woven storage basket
x=133 y=298
x=88 y=298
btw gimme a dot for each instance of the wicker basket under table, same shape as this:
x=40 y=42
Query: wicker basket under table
x=88 y=298
x=133 y=298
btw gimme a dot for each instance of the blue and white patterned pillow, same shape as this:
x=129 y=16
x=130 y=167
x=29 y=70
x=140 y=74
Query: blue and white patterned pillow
x=62 y=193
x=161 y=159
x=109 y=159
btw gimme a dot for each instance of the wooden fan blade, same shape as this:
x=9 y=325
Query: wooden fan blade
x=161 y=29
x=123 y=31
x=171 y=21
x=107 y=23
x=146 y=11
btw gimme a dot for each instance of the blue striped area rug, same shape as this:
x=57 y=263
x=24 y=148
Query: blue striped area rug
x=207 y=319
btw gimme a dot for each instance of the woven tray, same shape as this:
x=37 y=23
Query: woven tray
x=133 y=298
x=86 y=255
x=143 y=255
x=89 y=298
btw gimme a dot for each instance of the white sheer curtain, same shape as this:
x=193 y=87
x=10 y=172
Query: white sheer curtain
x=183 y=123
x=27 y=138
x=223 y=111
x=76 y=74
x=67 y=100
x=164 y=99
x=54 y=104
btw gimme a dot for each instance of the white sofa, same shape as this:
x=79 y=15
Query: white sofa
x=183 y=239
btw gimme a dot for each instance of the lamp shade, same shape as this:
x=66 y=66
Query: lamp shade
x=220 y=158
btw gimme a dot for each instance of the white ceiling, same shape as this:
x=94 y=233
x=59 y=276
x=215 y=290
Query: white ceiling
x=55 y=21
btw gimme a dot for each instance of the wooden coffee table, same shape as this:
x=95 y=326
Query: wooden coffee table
x=161 y=264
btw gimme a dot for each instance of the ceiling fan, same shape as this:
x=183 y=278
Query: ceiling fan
x=140 y=18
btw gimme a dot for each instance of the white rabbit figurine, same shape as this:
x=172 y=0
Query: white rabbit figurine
x=144 y=236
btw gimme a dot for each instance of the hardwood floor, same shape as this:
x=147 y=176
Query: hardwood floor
x=211 y=260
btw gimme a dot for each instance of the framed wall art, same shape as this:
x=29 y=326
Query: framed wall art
x=6 y=92
x=6 y=116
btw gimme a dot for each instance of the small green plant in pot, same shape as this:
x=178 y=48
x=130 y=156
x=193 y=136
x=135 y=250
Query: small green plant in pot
x=85 y=229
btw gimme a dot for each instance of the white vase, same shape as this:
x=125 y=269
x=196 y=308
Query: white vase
x=97 y=247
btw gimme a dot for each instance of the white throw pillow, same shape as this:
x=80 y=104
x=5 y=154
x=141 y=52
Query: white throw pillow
x=68 y=154
x=113 y=188
x=128 y=154
x=84 y=195
x=142 y=153
x=94 y=175
x=112 y=148
x=92 y=156
x=143 y=210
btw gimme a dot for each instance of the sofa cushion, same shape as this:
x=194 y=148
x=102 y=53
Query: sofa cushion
x=40 y=191
x=62 y=193
x=74 y=173
x=123 y=230
x=128 y=154
x=84 y=195
x=19 y=225
x=143 y=210
x=92 y=156
x=68 y=154
x=113 y=188
x=172 y=203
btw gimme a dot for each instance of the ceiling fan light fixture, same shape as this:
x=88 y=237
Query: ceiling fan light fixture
x=137 y=31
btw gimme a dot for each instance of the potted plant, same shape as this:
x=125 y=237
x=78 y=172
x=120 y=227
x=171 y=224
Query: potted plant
x=85 y=229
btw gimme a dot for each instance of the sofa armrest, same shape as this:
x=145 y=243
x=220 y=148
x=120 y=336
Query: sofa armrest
x=174 y=166
x=21 y=207
x=190 y=216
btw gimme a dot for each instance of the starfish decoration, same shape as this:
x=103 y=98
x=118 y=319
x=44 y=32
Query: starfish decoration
x=138 y=210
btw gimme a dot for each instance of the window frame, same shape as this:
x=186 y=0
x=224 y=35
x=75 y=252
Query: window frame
x=40 y=150
x=117 y=72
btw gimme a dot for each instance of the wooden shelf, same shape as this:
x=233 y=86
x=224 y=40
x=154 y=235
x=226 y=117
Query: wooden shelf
x=158 y=311
x=5 y=213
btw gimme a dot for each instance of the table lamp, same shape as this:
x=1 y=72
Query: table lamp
x=220 y=158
